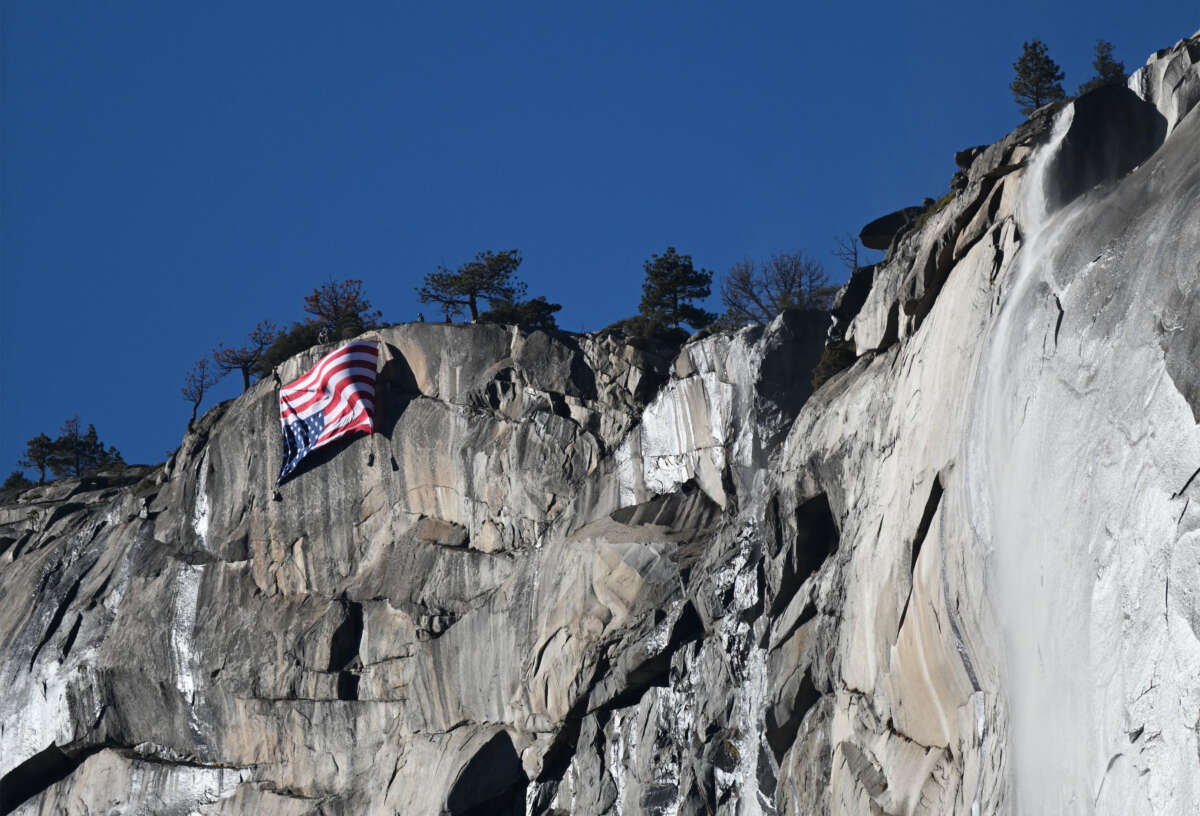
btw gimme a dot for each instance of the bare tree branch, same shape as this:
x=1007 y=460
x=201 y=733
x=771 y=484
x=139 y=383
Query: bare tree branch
x=755 y=293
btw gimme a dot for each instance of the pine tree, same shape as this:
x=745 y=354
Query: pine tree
x=16 y=481
x=490 y=276
x=536 y=313
x=38 y=453
x=672 y=283
x=1039 y=79
x=1108 y=70
x=77 y=453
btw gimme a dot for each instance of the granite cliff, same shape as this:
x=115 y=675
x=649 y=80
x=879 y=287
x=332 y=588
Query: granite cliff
x=595 y=575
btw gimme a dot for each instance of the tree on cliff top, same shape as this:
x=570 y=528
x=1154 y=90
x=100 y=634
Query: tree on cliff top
x=755 y=293
x=1039 y=79
x=245 y=358
x=77 y=453
x=342 y=306
x=1108 y=70
x=535 y=313
x=490 y=276
x=38 y=453
x=16 y=481
x=672 y=283
x=195 y=383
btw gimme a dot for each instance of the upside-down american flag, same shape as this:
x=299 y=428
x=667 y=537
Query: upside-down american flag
x=334 y=398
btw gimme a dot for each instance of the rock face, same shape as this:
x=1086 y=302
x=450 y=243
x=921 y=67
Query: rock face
x=590 y=575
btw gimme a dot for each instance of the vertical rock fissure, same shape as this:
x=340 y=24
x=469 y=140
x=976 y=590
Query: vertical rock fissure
x=59 y=614
x=344 y=649
x=931 y=506
x=816 y=539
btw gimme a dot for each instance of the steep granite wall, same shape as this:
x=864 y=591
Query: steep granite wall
x=586 y=574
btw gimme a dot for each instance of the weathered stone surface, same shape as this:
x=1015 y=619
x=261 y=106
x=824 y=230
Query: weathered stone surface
x=880 y=233
x=1112 y=131
x=592 y=575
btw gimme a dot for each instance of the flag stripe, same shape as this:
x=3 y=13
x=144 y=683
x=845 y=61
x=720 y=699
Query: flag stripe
x=353 y=418
x=304 y=405
x=355 y=351
x=334 y=398
x=313 y=378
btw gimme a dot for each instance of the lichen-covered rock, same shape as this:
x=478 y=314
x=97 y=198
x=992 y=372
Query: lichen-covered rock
x=588 y=574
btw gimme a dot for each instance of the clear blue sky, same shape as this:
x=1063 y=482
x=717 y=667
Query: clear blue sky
x=175 y=172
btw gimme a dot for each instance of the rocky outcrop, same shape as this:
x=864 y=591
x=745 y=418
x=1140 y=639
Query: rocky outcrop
x=880 y=233
x=591 y=574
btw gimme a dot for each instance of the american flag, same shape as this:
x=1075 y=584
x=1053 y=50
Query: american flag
x=335 y=397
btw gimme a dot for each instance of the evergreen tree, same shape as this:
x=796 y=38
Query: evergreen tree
x=1108 y=70
x=1039 y=79
x=536 y=313
x=300 y=337
x=38 y=453
x=16 y=481
x=672 y=283
x=490 y=276
x=78 y=453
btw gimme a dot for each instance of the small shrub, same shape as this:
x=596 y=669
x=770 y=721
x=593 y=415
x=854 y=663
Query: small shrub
x=934 y=208
x=836 y=357
x=300 y=337
x=537 y=313
x=643 y=328
x=16 y=481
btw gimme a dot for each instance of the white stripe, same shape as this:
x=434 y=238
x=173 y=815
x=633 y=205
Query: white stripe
x=358 y=351
x=358 y=362
x=296 y=396
x=335 y=391
x=310 y=380
x=349 y=419
x=343 y=397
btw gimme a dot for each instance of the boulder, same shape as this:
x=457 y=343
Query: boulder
x=880 y=233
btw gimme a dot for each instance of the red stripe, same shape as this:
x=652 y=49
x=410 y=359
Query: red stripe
x=352 y=399
x=367 y=403
x=327 y=370
x=363 y=423
x=298 y=406
x=319 y=385
x=317 y=371
x=331 y=404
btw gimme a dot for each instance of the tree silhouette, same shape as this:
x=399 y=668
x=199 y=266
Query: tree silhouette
x=38 y=453
x=300 y=337
x=671 y=284
x=1108 y=70
x=245 y=358
x=490 y=276
x=754 y=293
x=535 y=313
x=848 y=250
x=1038 y=78
x=342 y=306
x=198 y=380
x=16 y=481
x=77 y=453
